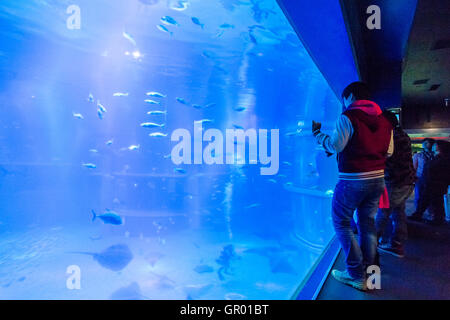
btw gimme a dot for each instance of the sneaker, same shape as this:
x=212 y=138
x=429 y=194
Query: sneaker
x=396 y=251
x=344 y=277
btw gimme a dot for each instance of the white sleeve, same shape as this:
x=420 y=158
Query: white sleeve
x=339 y=138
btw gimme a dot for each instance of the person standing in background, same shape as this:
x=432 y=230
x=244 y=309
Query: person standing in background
x=399 y=177
x=436 y=178
x=420 y=160
x=362 y=140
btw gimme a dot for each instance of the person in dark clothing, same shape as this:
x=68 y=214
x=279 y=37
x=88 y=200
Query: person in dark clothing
x=436 y=181
x=399 y=177
x=420 y=160
x=362 y=140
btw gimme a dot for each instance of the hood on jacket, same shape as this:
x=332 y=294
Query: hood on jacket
x=371 y=113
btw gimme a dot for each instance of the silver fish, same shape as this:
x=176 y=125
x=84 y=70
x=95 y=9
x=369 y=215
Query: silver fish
x=169 y=21
x=180 y=170
x=89 y=165
x=204 y=121
x=156 y=112
x=129 y=38
x=158 y=134
x=156 y=94
x=152 y=102
x=134 y=147
x=164 y=29
x=181 y=5
x=78 y=115
x=239 y=109
x=120 y=94
x=152 y=125
x=101 y=107
x=181 y=100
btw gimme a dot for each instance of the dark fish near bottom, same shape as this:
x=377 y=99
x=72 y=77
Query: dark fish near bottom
x=131 y=292
x=114 y=258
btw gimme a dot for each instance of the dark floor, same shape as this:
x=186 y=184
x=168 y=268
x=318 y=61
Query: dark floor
x=424 y=272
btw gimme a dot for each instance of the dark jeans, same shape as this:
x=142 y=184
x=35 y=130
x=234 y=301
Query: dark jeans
x=397 y=199
x=418 y=195
x=363 y=196
x=429 y=198
x=421 y=198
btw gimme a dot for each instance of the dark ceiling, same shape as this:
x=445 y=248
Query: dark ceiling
x=379 y=52
x=426 y=67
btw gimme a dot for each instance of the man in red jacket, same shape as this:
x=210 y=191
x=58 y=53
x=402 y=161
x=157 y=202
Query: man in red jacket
x=362 y=140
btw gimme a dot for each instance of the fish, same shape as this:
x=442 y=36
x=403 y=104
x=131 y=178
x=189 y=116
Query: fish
x=89 y=165
x=279 y=258
x=253 y=205
x=236 y=126
x=158 y=134
x=209 y=105
x=91 y=97
x=164 y=29
x=203 y=268
x=130 y=292
x=152 y=101
x=100 y=114
x=179 y=170
x=235 y=296
x=196 y=106
x=226 y=258
x=109 y=142
x=182 y=101
x=287 y=163
x=93 y=150
x=272 y=180
x=152 y=125
x=115 y=257
x=109 y=217
x=101 y=107
x=226 y=26
x=156 y=112
x=281 y=264
x=156 y=94
x=120 y=94
x=168 y=20
x=77 y=115
x=239 y=109
x=197 y=22
x=134 y=147
x=181 y=5
x=129 y=38
x=204 y=121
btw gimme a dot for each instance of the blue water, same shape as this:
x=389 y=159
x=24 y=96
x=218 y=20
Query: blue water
x=220 y=231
